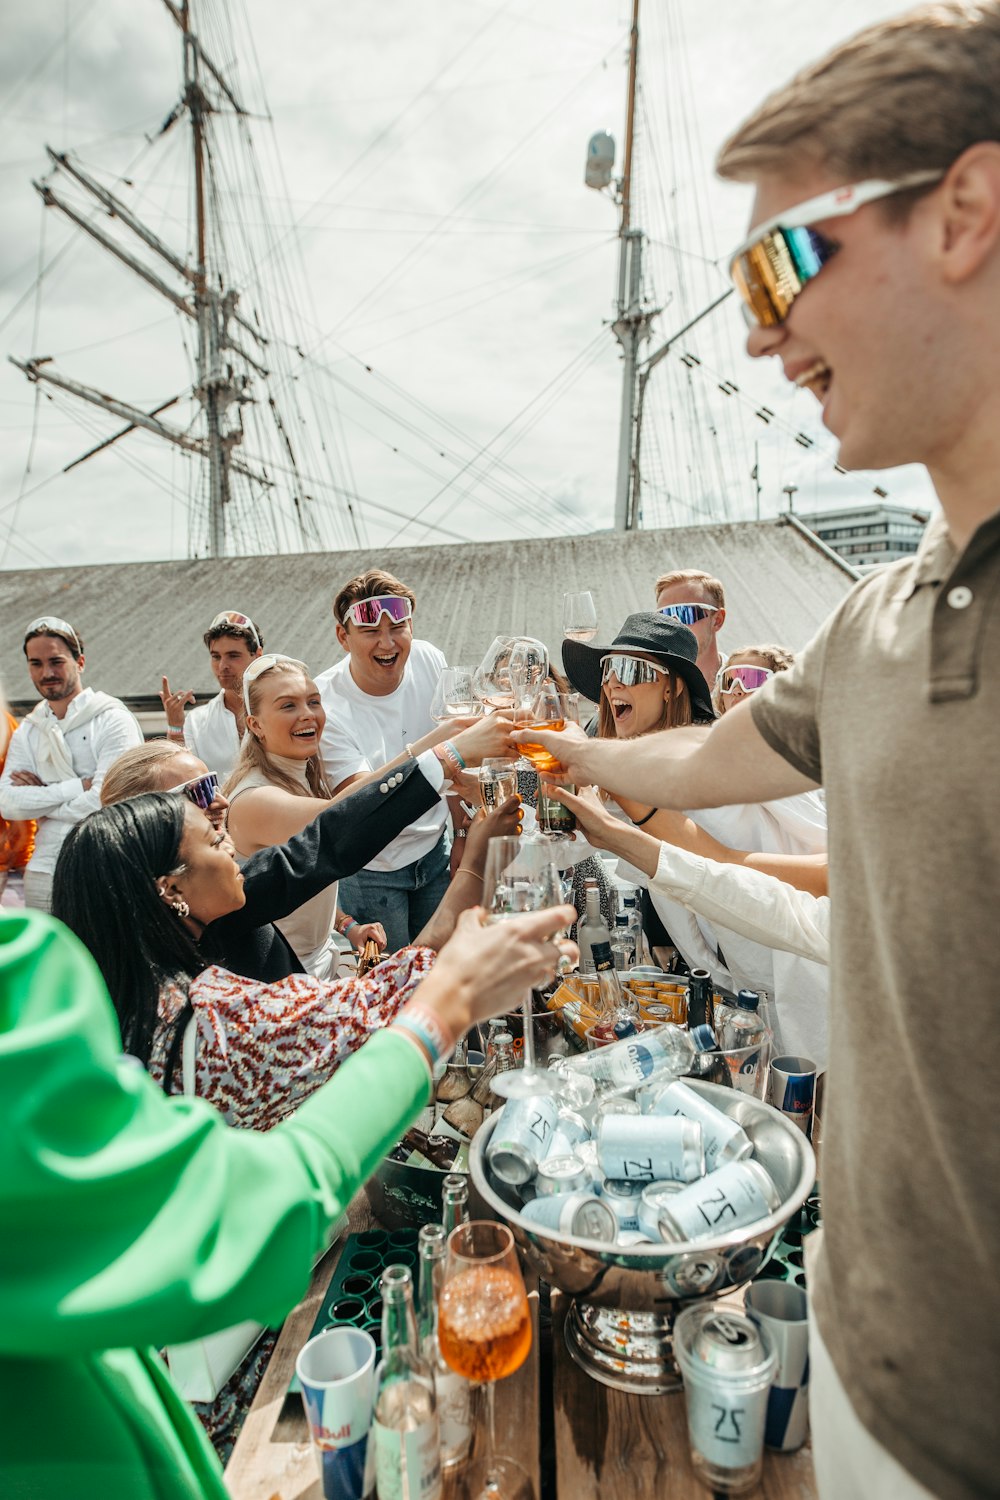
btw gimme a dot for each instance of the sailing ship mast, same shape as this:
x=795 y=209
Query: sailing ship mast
x=221 y=388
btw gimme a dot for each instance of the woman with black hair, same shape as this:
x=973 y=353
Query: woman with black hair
x=140 y=880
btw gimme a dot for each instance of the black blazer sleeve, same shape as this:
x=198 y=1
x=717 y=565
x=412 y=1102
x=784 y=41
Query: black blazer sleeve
x=337 y=843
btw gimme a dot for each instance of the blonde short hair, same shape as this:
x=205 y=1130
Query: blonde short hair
x=709 y=585
x=906 y=95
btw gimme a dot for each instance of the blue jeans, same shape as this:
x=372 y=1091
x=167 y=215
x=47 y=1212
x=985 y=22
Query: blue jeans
x=402 y=900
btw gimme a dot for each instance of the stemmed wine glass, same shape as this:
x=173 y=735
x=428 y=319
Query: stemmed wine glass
x=484 y=1332
x=579 y=616
x=529 y=666
x=497 y=781
x=520 y=876
x=453 y=697
x=491 y=680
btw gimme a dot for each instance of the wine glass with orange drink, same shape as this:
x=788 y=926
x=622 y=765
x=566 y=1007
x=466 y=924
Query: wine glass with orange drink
x=484 y=1332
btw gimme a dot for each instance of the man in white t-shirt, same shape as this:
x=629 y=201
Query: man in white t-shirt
x=214 y=732
x=378 y=701
x=59 y=754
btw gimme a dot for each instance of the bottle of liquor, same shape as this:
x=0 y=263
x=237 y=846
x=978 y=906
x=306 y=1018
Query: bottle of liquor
x=405 y=1431
x=497 y=1026
x=667 y=1052
x=454 y=1201
x=623 y=943
x=454 y=1404
x=592 y=929
x=700 y=999
x=619 y=1017
x=504 y=1061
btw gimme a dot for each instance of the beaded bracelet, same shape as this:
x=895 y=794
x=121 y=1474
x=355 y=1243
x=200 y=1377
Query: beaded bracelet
x=422 y=1023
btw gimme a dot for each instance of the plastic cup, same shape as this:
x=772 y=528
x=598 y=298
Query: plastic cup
x=781 y=1308
x=727 y=1363
x=336 y=1372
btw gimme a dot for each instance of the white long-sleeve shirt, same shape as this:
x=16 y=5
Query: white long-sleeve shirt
x=210 y=732
x=92 y=747
x=750 y=902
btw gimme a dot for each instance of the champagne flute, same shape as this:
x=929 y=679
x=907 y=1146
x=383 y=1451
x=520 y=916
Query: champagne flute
x=484 y=1334
x=520 y=876
x=579 y=616
x=497 y=781
x=453 y=696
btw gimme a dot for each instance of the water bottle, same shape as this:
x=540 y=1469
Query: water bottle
x=405 y=1429
x=743 y=1025
x=667 y=1052
x=623 y=943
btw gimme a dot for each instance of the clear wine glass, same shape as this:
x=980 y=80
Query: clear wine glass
x=453 y=696
x=484 y=1333
x=579 y=616
x=529 y=667
x=520 y=876
x=491 y=680
x=497 y=781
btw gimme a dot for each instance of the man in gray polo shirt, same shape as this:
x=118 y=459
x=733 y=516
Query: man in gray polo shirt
x=884 y=301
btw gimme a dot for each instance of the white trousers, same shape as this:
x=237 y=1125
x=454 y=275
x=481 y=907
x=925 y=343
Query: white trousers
x=37 y=890
x=849 y=1463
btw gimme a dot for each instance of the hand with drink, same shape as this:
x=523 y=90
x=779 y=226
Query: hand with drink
x=568 y=749
x=483 y=739
x=484 y=1332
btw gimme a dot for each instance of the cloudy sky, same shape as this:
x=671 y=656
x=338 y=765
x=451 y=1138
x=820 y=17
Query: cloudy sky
x=413 y=230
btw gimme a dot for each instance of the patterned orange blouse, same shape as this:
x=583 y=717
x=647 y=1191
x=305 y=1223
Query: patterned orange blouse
x=264 y=1048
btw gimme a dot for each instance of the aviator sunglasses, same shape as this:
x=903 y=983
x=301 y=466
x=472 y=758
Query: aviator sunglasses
x=781 y=257
x=749 y=678
x=631 y=671
x=688 y=614
x=201 y=790
x=369 y=612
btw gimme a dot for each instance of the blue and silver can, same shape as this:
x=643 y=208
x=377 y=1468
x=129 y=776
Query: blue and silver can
x=561 y=1174
x=739 y=1193
x=650 y=1148
x=724 y=1140
x=571 y=1129
x=581 y=1214
x=521 y=1138
x=651 y=1201
x=623 y=1200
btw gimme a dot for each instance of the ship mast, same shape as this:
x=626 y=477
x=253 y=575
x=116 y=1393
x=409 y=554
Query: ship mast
x=632 y=324
x=206 y=300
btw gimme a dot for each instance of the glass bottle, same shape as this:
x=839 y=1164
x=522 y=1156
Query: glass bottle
x=701 y=999
x=504 y=1061
x=617 y=1017
x=743 y=1025
x=454 y=1403
x=405 y=1430
x=623 y=943
x=667 y=1052
x=593 y=929
x=454 y=1201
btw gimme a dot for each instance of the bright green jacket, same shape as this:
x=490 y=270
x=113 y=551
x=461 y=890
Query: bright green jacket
x=129 y=1221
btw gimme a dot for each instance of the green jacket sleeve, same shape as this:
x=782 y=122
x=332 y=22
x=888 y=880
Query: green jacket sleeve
x=127 y=1218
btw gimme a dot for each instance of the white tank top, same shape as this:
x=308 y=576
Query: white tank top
x=309 y=928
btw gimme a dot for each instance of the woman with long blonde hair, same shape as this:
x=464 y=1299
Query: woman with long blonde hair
x=278 y=786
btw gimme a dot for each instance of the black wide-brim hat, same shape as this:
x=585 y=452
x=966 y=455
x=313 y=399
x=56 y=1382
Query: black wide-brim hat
x=671 y=644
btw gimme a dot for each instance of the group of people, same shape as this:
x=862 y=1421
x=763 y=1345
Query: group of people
x=132 y=1215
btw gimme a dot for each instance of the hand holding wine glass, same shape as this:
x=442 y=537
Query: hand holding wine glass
x=484 y=1333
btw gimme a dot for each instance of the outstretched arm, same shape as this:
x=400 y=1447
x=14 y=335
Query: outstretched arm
x=695 y=766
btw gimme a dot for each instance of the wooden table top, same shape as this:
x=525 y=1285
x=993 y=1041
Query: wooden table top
x=606 y=1444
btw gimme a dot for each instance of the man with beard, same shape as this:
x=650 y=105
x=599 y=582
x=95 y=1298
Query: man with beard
x=59 y=755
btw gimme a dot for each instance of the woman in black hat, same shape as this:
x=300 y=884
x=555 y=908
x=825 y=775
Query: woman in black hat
x=648 y=680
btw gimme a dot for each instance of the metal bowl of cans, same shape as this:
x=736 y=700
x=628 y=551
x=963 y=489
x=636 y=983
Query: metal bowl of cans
x=627 y=1292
